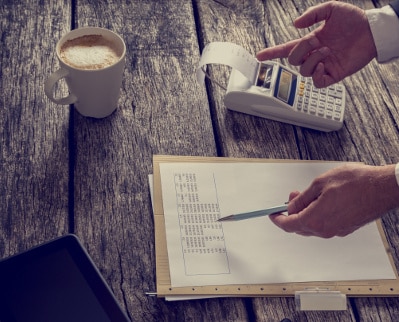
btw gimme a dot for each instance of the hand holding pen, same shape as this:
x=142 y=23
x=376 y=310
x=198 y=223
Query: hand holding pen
x=257 y=213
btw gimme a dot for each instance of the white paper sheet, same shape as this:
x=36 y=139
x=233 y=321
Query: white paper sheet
x=204 y=252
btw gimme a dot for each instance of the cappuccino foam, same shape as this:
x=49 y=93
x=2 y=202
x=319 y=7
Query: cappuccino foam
x=89 y=52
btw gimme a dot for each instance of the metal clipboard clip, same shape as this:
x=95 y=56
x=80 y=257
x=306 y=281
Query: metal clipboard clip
x=320 y=299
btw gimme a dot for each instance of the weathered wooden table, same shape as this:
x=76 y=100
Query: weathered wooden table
x=61 y=172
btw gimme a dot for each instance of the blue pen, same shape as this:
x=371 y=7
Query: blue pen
x=257 y=213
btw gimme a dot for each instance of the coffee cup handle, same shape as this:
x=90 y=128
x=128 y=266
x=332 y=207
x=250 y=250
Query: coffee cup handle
x=49 y=88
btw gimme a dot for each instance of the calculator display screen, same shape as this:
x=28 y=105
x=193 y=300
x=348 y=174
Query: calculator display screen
x=284 y=85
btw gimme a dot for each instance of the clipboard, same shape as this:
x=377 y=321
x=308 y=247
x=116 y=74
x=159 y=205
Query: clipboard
x=364 y=288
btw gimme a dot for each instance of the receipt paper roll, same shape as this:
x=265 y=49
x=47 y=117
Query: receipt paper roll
x=233 y=55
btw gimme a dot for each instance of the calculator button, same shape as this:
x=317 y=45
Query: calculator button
x=337 y=116
x=330 y=100
x=324 y=102
x=339 y=88
x=334 y=93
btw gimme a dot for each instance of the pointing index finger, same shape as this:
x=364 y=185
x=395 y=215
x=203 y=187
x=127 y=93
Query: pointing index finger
x=279 y=51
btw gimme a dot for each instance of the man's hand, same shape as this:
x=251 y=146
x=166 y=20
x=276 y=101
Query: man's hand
x=339 y=47
x=341 y=201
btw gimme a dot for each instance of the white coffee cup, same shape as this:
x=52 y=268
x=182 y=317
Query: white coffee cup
x=94 y=92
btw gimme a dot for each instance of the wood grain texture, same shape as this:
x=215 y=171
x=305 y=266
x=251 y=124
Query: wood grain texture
x=370 y=132
x=61 y=172
x=162 y=110
x=34 y=171
x=241 y=135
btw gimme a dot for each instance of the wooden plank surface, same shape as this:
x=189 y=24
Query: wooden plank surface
x=64 y=173
x=240 y=135
x=254 y=26
x=370 y=133
x=162 y=110
x=34 y=162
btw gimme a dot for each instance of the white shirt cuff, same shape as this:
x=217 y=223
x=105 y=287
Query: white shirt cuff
x=397 y=173
x=384 y=24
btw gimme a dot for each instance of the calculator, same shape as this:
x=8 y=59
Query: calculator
x=284 y=95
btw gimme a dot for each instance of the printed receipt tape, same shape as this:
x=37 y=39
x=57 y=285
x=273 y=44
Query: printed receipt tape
x=226 y=53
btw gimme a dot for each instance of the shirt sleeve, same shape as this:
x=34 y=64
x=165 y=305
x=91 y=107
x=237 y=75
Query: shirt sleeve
x=384 y=24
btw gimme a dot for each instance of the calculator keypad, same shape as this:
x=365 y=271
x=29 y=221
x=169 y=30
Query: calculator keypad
x=323 y=102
